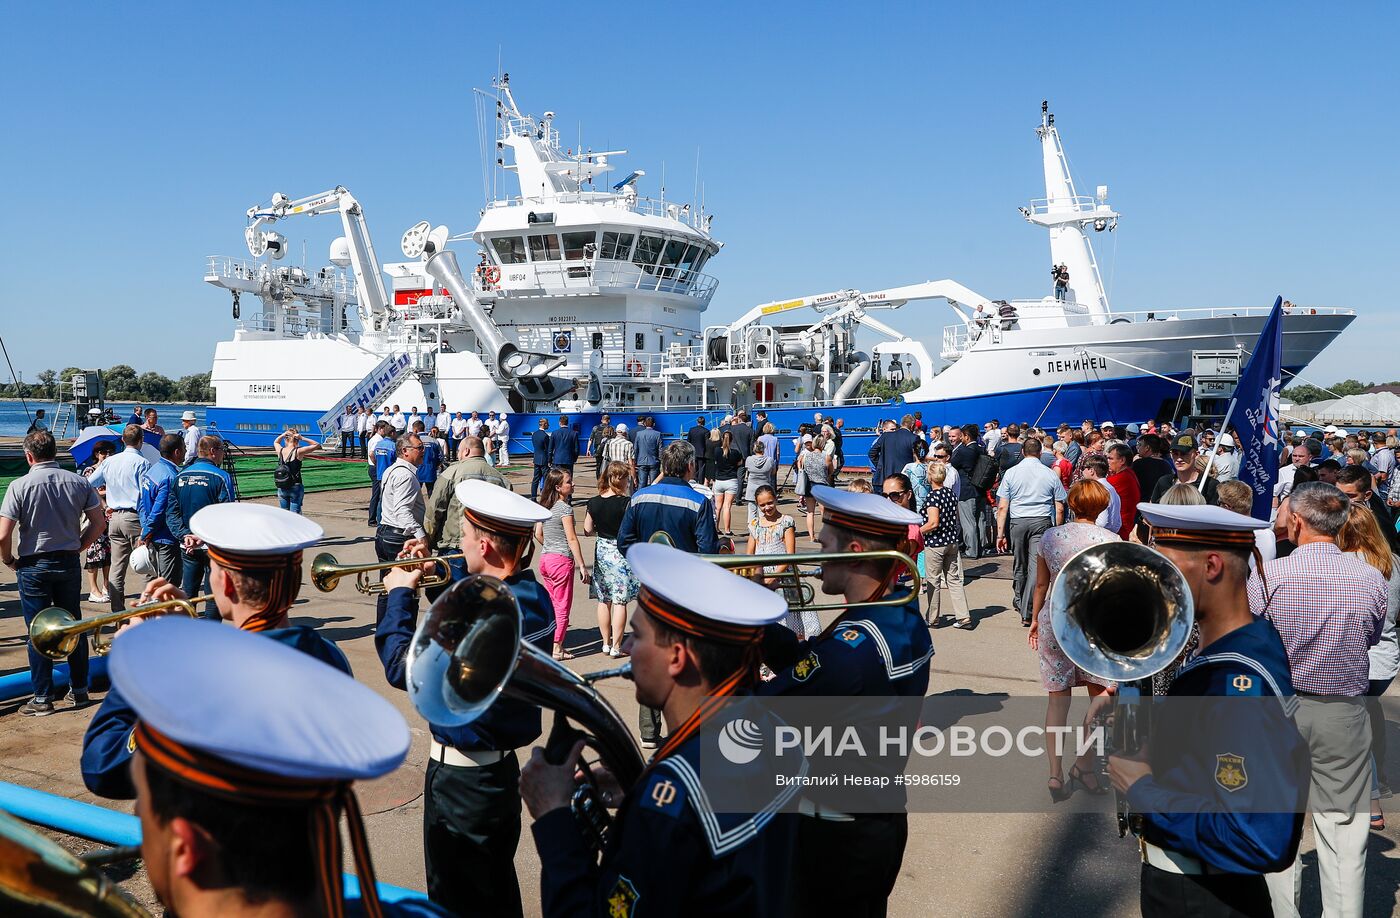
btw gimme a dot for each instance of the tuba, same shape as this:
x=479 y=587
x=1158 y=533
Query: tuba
x=37 y=877
x=468 y=651
x=1122 y=611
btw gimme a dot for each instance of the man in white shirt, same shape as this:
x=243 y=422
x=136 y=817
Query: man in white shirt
x=347 y=431
x=1096 y=469
x=398 y=420
x=474 y=425
x=991 y=435
x=503 y=440
x=1300 y=457
x=122 y=476
x=1226 y=461
x=413 y=418
x=191 y=433
x=362 y=425
x=444 y=419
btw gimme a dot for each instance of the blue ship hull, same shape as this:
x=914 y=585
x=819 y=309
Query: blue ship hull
x=1123 y=400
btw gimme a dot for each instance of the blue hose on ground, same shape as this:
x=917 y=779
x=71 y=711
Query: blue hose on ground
x=84 y=820
x=16 y=685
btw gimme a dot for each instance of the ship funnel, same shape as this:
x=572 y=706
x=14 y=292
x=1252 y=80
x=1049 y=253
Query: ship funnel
x=526 y=371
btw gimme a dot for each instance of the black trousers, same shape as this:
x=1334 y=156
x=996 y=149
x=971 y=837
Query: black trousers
x=166 y=558
x=471 y=827
x=849 y=868
x=387 y=545
x=1223 y=895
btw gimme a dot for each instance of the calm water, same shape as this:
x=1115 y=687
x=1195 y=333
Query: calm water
x=14 y=422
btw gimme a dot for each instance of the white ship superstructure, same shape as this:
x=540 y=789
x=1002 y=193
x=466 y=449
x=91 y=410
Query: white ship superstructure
x=584 y=296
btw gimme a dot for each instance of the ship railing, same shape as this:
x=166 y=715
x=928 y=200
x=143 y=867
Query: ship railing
x=1081 y=203
x=649 y=207
x=327 y=281
x=284 y=325
x=820 y=403
x=958 y=338
x=634 y=364
x=591 y=274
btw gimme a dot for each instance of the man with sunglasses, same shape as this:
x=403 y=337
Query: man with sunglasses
x=401 y=505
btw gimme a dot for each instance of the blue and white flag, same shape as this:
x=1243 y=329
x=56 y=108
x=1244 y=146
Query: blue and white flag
x=1258 y=396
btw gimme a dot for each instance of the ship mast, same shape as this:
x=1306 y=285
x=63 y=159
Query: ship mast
x=1068 y=217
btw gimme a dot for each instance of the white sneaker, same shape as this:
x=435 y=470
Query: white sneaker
x=96 y=597
x=607 y=650
x=616 y=652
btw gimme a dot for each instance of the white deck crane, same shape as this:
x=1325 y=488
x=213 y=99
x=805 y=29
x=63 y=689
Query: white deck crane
x=355 y=248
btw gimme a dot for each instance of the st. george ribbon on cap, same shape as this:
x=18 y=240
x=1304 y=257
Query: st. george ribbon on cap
x=703 y=600
x=256 y=537
x=227 y=730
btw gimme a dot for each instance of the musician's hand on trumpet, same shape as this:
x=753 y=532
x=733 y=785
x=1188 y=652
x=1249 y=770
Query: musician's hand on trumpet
x=1126 y=770
x=410 y=577
x=157 y=590
x=545 y=787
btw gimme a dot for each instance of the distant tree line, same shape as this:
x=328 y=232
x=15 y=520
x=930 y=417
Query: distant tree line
x=122 y=384
x=1304 y=394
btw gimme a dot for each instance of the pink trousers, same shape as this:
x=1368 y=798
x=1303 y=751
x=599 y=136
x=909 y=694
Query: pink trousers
x=557 y=572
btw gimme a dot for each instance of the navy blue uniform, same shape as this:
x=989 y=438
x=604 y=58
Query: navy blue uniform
x=539 y=442
x=669 y=853
x=1230 y=776
x=563 y=447
x=109 y=741
x=876 y=659
x=471 y=815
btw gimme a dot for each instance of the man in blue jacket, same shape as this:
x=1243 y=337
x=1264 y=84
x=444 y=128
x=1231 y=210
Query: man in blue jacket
x=157 y=485
x=563 y=446
x=539 y=441
x=893 y=450
x=200 y=484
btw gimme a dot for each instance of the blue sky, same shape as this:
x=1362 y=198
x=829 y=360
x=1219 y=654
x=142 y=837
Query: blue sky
x=1249 y=147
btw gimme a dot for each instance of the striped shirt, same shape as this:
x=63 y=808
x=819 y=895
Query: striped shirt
x=1329 y=609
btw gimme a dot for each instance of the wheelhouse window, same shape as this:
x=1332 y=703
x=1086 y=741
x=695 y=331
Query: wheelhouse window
x=544 y=247
x=648 y=250
x=692 y=253
x=671 y=256
x=510 y=250
x=616 y=246
x=575 y=245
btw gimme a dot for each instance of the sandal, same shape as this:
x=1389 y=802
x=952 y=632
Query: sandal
x=563 y=655
x=1058 y=792
x=1378 y=821
x=1077 y=777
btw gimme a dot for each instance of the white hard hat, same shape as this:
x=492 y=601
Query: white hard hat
x=1227 y=440
x=141 y=561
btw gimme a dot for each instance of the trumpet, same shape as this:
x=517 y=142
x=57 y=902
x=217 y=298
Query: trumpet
x=794 y=582
x=37 y=877
x=326 y=573
x=55 y=632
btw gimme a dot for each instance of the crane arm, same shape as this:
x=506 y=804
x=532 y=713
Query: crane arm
x=374 y=299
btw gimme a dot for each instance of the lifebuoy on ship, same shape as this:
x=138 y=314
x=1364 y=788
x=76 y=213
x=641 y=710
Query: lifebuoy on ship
x=490 y=275
x=634 y=367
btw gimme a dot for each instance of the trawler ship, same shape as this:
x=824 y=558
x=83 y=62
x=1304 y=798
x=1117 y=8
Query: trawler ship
x=583 y=296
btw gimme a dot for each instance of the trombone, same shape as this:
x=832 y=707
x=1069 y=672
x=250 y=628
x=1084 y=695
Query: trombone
x=326 y=573
x=55 y=632
x=794 y=581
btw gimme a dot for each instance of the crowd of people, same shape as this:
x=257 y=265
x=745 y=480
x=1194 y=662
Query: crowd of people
x=1303 y=597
